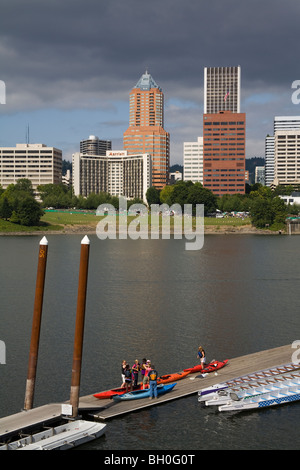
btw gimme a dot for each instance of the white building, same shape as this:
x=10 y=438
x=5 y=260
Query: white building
x=36 y=162
x=116 y=173
x=260 y=175
x=269 y=160
x=274 y=171
x=193 y=161
x=282 y=123
x=294 y=198
x=287 y=157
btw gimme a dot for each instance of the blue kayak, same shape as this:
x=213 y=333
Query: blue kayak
x=161 y=390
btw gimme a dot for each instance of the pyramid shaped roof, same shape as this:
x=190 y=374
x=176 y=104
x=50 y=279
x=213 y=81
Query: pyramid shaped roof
x=146 y=82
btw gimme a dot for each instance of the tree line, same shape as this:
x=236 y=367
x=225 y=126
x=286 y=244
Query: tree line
x=265 y=207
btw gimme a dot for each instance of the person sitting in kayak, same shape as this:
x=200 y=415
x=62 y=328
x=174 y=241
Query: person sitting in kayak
x=201 y=356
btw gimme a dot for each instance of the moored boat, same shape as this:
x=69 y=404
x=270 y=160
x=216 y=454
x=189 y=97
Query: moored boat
x=62 y=437
x=211 y=367
x=114 y=391
x=164 y=379
x=280 y=396
x=248 y=378
x=161 y=390
x=260 y=388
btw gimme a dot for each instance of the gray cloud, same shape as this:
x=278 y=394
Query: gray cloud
x=76 y=54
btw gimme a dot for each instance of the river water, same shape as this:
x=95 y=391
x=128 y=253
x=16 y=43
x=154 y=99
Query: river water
x=151 y=298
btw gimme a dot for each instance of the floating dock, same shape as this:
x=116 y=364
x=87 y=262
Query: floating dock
x=103 y=410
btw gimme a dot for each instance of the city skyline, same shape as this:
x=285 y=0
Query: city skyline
x=69 y=71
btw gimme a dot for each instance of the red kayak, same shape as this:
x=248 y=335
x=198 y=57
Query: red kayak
x=165 y=379
x=211 y=367
x=114 y=391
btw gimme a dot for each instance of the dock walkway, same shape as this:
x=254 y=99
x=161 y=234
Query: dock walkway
x=107 y=409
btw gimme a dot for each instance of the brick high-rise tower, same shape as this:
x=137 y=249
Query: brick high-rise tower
x=224 y=132
x=146 y=133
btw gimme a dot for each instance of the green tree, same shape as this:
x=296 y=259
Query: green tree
x=5 y=208
x=165 y=194
x=197 y=194
x=180 y=192
x=27 y=212
x=25 y=209
x=153 y=196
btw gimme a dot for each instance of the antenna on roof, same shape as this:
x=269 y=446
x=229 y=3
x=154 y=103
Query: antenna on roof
x=27 y=134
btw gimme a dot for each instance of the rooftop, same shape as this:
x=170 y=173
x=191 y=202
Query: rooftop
x=146 y=82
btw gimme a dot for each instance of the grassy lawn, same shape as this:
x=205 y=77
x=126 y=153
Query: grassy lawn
x=57 y=220
x=89 y=218
x=6 y=227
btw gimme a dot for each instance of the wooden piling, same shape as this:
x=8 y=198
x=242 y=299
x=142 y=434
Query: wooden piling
x=79 y=327
x=36 y=324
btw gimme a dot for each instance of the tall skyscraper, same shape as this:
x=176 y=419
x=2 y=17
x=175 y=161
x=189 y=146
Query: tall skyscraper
x=224 y=132
x=222 y=86
x=224 y=152
x=146 y=133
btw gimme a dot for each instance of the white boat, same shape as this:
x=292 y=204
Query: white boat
x=63 y=437
x=245 y=379
x=251 y=388
x=281 y=396
x=229 y=396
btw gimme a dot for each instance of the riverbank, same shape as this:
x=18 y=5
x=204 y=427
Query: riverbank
x=90 y=229
x=77 y=222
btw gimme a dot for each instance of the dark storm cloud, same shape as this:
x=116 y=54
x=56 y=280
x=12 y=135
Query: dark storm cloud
x=75 y=53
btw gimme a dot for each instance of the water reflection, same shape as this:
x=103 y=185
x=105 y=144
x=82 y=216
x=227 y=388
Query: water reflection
x=153 y=299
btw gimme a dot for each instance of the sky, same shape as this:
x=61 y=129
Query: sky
x=68 y=66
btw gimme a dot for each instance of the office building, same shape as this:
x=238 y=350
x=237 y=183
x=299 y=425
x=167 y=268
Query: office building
x=94 y=146
x=36 y=162
x=222 y=87
x=260 y=175
x=116 y=173
x=281 y=151
x=193 y=161
x=287 y=157
x=282 y=123
x=269 y=160
x=146 y=133
x=224 y=152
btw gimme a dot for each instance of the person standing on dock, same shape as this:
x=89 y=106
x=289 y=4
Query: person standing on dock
x=135 y=372
x=201 y=356
x=128 y=380
x=153 y=382
x=123 y=373
x=143 y=370
x=147 y=368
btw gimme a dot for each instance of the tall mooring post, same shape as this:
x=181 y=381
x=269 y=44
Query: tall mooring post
x=36 y=324
x=79 y=327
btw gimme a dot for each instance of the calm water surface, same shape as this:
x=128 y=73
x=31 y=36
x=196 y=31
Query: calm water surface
x=151 y=298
